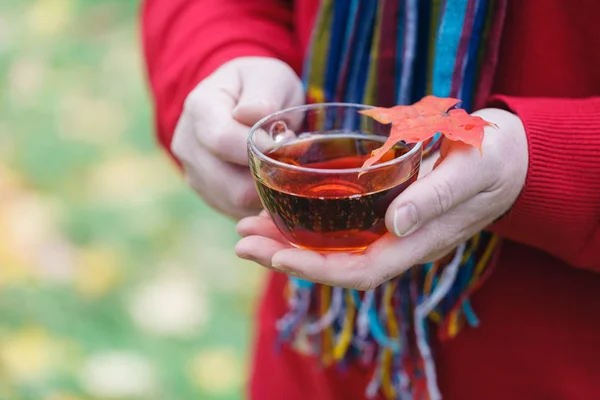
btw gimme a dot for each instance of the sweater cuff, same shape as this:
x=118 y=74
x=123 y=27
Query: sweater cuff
x=562 y=187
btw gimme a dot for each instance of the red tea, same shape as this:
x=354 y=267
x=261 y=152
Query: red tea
x=333 y=210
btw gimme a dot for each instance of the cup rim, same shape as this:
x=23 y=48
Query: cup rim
x=259 y=154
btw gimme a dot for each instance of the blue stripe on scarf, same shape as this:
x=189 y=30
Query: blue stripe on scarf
x=448 y=38
x=346 y=49
x=466 y=91
x=399 y=47
x=422 y=55
x=408 y=57
x=336 y=43
x=359 y=64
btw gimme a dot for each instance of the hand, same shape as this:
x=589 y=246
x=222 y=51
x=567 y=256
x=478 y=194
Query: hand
x=463 y=194
x=210 y=138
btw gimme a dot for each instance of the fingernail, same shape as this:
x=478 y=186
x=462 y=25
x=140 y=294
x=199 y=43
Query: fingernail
x=405 y=220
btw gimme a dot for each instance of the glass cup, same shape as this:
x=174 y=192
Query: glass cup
x=307 y=165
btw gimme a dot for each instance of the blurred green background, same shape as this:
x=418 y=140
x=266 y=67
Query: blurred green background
x=116 y=282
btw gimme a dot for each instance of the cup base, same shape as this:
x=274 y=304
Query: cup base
x=329 y=250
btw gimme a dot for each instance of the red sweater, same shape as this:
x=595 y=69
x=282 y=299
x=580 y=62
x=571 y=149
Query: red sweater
x=540 y=333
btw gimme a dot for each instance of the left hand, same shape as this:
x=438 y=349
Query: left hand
x=463 y=194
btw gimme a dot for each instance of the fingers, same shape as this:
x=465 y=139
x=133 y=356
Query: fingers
x=388 y=257
x=266 y=90
x=385 y=259
x=454 y=180
x=436 y=238
x=232 y=193
x=224 y=107
x=261 y=239
x=212 y=125
x=260 y=225
x=363 y=271
x=226 y=187
x=264 y=244
x=259 y=249
x=211 y=143
x=336 y=269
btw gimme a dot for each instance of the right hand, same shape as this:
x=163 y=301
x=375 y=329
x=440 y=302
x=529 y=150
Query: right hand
x=211 y=134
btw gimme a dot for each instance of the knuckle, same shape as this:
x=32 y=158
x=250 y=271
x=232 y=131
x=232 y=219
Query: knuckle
x=194 y=100
x=178 y=144
x=443 y=196
x=185 y=130
x=177 y=147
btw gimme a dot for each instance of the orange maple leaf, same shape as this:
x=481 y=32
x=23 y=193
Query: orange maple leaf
x=425 y=118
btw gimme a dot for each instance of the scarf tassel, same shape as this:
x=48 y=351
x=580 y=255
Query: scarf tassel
x=390 y=325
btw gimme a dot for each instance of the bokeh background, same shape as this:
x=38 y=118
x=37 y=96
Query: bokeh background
x=116 y=282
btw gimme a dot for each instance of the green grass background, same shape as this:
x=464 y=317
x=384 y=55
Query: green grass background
x=116 y=281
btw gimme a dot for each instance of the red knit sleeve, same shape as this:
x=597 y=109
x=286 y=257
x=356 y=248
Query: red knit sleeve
x=558 y=210
x=186 y=40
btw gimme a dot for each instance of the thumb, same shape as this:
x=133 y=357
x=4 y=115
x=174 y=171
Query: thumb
x=453 y=181
x=268 y=85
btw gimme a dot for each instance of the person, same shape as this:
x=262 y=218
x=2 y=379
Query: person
x=518 y=225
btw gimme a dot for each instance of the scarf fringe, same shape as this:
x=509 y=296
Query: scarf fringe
x=385 y=53
x=390 y=325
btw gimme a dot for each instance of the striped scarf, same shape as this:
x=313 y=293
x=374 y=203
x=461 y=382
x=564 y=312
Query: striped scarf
x=385 y=53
